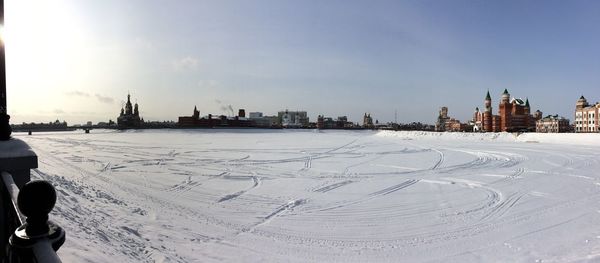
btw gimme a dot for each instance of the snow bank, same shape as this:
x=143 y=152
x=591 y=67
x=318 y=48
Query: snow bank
x=562 y=138
x=554 y=138
x=463 y=136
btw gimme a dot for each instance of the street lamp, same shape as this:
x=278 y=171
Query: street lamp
x=5 y=130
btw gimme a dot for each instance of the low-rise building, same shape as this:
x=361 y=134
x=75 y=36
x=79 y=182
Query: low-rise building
x=552 y=124
x=255 y=115
x=264 y=121
x=446 y=123
x=454 y=125
x=329 y=123
x=195 y=121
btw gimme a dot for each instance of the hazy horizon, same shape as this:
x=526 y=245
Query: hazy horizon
x=77 y=60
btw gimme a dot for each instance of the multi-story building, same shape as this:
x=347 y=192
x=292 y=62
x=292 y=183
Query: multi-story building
x=293 y=119
x=513 y=115
x=552 y=124
x=440 y=124
x=586 y=116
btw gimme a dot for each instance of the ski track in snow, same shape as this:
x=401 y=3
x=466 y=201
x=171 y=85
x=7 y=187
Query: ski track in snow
x=182 y=196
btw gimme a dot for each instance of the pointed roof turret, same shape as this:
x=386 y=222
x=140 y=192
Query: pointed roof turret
x=527 y=102
x=582 y=97
x=505 y=91
x=488 y=97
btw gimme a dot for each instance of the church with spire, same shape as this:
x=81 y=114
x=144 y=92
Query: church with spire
x=514 y=115
x=130 y=116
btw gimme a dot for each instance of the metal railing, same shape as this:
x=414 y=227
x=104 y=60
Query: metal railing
x=31 y=236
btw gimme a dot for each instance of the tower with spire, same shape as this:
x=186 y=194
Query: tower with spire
x=487 y=114
x=196 y=113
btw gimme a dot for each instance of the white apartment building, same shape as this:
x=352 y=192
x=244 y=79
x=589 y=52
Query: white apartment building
x=586 y=116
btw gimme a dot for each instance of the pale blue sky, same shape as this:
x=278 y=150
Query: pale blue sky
x=77 y=59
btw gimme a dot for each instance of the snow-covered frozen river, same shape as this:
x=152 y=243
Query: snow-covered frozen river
x=333 y=196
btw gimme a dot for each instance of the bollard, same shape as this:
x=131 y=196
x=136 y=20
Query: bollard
x=38 y=239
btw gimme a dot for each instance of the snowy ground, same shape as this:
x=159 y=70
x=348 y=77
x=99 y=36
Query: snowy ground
x=302 y=196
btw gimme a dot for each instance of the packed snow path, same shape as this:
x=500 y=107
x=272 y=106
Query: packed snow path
x=256 y=196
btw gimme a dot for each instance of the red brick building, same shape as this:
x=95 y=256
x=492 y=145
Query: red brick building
x=513 y=115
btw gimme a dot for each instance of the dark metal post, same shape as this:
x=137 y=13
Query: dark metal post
x=5 y=129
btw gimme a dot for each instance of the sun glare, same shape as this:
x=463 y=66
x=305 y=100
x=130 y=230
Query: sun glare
x=42 y=39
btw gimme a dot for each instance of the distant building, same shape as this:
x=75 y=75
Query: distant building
x=50 y=126
x=195 y=121
x=368 y=121
x=445 y=123
x=586 y=116
x=189 y=121
x=552 y=124
x=440 y=124
x=264 y=121
x=255 y=115
x=513 y=115
x=293 y=119
x=454 y=125
x=329 y=123
x=130 y=116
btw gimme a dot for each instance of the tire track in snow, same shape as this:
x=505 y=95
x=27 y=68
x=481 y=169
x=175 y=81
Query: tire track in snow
x=502 y=207
x=330 y=187
x=494 y=196
x=188 y=184
x=395 y=188
x=228 y=197
x=485 y=160
x=368 y=197
x=440 y=161
x=278 y=212
x=184 y=186
x=341 y=147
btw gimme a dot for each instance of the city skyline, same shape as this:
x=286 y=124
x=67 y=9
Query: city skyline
x=77 y=60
